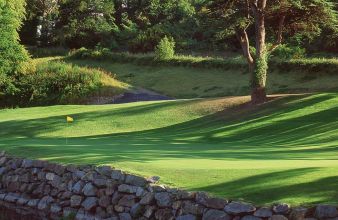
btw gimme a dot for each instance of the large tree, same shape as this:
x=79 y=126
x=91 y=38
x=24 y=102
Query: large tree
x=12 y=54
x=266 y=23
x=85 y=22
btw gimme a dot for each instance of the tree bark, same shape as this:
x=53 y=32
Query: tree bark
x=258 y=81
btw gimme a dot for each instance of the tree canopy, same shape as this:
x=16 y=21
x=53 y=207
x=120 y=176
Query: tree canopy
x=12 y=54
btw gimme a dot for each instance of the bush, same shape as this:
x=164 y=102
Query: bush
x=287 y=52
x=165 y=50
x=308 y=65
x=55 y=83
x=39 y=52
x=146 y=41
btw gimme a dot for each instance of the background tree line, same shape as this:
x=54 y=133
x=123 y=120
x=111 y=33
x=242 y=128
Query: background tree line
x=139 y=25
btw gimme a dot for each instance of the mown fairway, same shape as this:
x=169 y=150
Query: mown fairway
x=284 y=151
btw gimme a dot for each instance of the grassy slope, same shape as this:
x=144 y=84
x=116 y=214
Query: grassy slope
x=110 y=85
x=181 y=82
x=284 y=151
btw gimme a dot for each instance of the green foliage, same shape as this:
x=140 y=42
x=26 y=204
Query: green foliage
x=85 y=22
x=56 y=82
x=287 y=52
x=260 y=71
x=309 y=65
x=165 y=50
x=13 y=56
x=39 y=52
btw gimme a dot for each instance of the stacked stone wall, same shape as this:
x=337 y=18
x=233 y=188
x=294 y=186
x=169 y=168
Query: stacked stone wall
x=34 y=189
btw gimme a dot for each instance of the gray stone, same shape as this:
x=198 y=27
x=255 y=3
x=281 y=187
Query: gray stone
x=263 y=212
x=50 y=176
x=45 y=202
x=2 y=196
x=104 y=201
x=117 y=175
x=67 y=212
x=119 y=208
x=250 y=217
x=89 y=176
x=185 y=195
x=100 y=183
x=22 y=201
x=55 y=208
x=164 y=214
x=149 y=211
x=278 y=217
x=213 y=203
x=33 y=203
x=156 y=188
x=75 y=201
x=127 y=200
x=3 y=170
x=125 y=216
x=12 y=197
x=137 y=210
x=3 y=160
x=239 y=208
x=27 y=163
x=153 y=179
x=147 y=199
x=104 y=170
x=78 y=174
x=116 y=197
x=298 y=213
x=25 y=178
x=127 y=188
x=326 y=211
x=282 y=208
x=89 y=190
x=89 y=203
x=77 y=188
x=186 y=217
x=192 y=208
x=135 y=180
x=2 y=153
x=214 y=214
x=140 y=192
x=163 y=199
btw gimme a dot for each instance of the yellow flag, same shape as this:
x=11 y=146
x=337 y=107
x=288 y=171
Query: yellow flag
x=69 y=119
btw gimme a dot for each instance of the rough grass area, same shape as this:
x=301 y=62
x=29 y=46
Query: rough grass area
x=285 y=150
x=55 y=82
x=189 y=82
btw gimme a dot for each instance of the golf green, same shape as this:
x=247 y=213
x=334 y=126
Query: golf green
x=285 y=150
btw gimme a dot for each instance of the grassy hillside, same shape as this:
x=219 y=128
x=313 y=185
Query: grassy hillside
x=285 y=150
x=190 y=82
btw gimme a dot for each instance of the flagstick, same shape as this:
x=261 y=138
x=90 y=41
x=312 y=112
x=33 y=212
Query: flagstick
x=66 y=133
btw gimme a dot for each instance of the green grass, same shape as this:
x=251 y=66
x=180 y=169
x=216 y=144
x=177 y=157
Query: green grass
x=189 y=82
x=285 y=150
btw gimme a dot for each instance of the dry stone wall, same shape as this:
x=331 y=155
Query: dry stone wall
x=36 y=190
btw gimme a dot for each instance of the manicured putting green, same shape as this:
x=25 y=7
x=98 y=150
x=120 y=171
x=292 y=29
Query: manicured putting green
x=285 y=150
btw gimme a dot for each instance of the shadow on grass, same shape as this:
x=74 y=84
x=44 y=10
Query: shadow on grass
x=237 y=133
x=285 y=129
x=269 y=189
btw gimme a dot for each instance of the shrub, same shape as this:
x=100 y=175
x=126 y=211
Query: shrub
x=165 y=50
x=55 y=83
x=146 y=41
x=287 y=52
x=39 y=52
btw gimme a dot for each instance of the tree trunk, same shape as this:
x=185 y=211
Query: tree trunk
x=258 y=80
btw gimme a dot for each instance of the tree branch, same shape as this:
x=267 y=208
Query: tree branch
x=279 y=33
x=245 y=44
